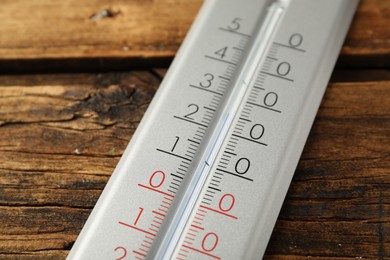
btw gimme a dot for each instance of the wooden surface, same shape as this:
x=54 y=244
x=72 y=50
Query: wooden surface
x=72 y=35
x=61 y=135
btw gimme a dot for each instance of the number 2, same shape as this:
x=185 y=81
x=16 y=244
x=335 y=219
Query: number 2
x=193 y=112
x=124 y=252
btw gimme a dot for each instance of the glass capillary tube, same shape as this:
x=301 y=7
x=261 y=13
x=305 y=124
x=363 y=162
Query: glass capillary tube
x=255 y=55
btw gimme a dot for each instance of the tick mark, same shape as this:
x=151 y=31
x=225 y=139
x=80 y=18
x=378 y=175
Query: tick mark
x=224 y=61
x=176 y=155
x=235 y=32
x=277 y=76
x=234 y=174
x=288 y=46
x=208 y=90
x=190 y=121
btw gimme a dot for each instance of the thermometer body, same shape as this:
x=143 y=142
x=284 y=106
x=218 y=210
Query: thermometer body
x=208 y=168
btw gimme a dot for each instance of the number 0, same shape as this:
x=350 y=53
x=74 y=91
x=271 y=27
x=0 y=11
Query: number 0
x=157 y=183
x=257 y=134
x=242 y=169
x=208 y=247
x=270 y=99
x=283 y=68
x=226 y=206
x=295 y=40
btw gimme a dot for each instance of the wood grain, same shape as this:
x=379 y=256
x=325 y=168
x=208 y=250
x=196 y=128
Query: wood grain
x=67 y=29
x=62 y=135
x=71 y=36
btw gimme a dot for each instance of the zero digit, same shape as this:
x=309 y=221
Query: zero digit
x=257 y=131
x=207 y=245
x=156 y=184
x=242 y=165
x=270 y=99
x=283 y=68
x=226 y=206
x=295 y=40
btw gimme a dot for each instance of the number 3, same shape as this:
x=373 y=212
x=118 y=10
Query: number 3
x=208 y=80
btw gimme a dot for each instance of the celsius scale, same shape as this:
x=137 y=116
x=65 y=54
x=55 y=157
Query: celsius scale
x=206 y=172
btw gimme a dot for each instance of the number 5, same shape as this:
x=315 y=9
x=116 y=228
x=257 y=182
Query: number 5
x=235 y=24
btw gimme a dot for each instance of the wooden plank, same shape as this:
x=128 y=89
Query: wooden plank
x=135 y=28
x=61 y=136
x=68 y=35
x=44 y=35
x=369 y=32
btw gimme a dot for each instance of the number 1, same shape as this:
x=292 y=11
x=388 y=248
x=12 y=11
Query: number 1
x=177 y=140
x=139 y=215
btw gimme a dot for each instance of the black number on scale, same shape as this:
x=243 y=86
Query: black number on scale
x=221 y=53
x=242 y=165
x=295 y=40
x=270 y=99
x=208 y=79
x=235 y=24
x=194 y=108
x=174 y=145
x=283 y=69
x=257 y=131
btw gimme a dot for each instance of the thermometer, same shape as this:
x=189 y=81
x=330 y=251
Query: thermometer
x=206 y=172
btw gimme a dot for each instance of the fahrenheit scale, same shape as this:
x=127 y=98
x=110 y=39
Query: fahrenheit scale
x=206 y=172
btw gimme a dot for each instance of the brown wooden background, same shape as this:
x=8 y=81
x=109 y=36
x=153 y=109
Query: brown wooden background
x=73 y=89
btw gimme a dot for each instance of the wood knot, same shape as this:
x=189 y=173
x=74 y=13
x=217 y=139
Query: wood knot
x=106 y=13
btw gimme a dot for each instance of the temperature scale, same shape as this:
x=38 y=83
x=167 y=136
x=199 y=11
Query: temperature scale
x=206 y=173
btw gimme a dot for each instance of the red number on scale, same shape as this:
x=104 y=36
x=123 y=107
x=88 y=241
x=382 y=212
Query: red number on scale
x=139 y=215
x=155 y=181
x=226 y=202
x=124 y=252
x=209 y=242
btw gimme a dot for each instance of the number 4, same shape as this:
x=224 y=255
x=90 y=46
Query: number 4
x=222 y=52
